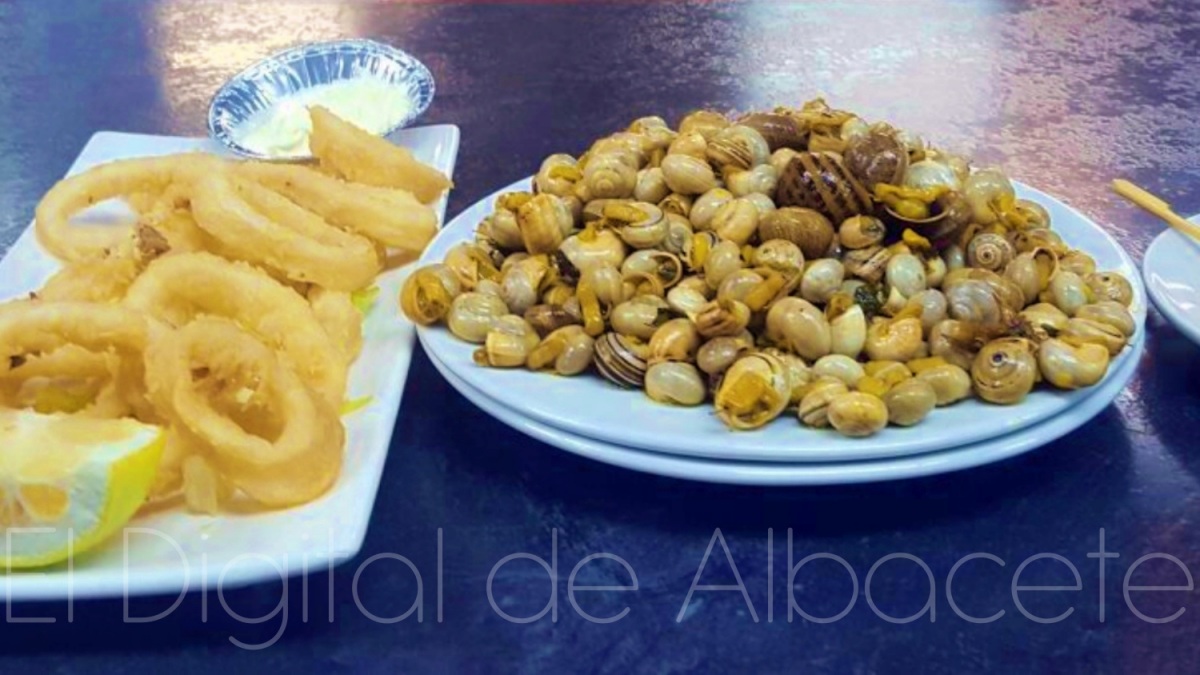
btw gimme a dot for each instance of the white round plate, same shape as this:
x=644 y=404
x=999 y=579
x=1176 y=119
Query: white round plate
x=590 y=406
x=1171 y=269
x=827 y=473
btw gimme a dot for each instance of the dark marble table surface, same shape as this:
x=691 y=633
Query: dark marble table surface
x=1065 y=95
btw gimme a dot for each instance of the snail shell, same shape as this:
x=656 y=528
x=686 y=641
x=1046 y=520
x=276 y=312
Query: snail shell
x=781 y=158
x=705 y=207
x=905 y=273
x=707 y=123
x=602 y=248
x=1032 y=271
x=546 y=319
x=676 y=204
x=738 y=285
x=724 y=259
x=769 y=385
x=508 y=343
x=1087 y=331
x=1071 y=366
x=1110 y=286
x=1035 y=214
x=819 y=180
x=1042 y=321
x=779 y=131
x=647 y=232
x=609 y=176
x=813 y=410
x=955 y=342
x=651 y=186
x=722 y=317
x=472 y=314
x=686 y=300
x=544 y=221
x=688 y=175
x=989 y=251
x=675 y=384
x=822 y=278
x=736 y=221
x=798 y=373
x=973 y=301
x=428 y=294
x=807 y=228
x=759 y=180
x=934 y=308
x=621 y=360
x=639 y=317
x=857 y=415
x=950 y=383
x=876 y=157
x=557 y=175
x=690 y=143
x=930 y=173
x=1109 y=312
x=848 y=332
x=839 y=366
x=568 y=349
x=1078 y=262
x=861 y=232
x=737 y=147
x=1005 y=370
x=716 y=355
x=868 y=264
x=666 y=267
x=900 y=339
x=909 y=402
x=679 y=235
x=983 y=190
x=796 y=325
x=1068 y=292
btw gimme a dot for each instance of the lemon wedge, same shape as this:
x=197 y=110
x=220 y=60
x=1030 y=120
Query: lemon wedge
x=67 y=483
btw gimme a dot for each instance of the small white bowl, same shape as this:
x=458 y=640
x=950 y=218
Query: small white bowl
x=260 y=86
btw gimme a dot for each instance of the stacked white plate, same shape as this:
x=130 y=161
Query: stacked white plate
x=589 y=416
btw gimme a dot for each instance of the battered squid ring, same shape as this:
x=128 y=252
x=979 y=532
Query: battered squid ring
x=31 y=327
x=340 y=318
x=177 y=289
x=293 y=459
x=123 y=178
x=394 y=218
x=253 y=223
x=68 y=379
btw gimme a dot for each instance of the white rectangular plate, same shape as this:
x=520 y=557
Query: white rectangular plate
x=170 y=551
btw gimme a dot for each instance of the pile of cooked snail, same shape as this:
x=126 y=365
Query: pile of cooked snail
x=797 y=259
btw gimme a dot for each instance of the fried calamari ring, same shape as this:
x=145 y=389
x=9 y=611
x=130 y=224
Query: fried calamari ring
x=29 y=328
x=178 y=288
x=148 y=175
x=360 y=157
x=255 y=224
x=292 y=458
x=394 y=218
x=69 y=379
x=100 y=280
x=340 y=318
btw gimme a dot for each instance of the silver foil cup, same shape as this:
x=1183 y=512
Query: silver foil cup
x=260 y=86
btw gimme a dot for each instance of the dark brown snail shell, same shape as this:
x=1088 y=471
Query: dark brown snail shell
x=876 y=157
x=820 y=181
x=780 y=131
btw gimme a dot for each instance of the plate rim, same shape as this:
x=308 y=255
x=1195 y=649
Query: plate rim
x=803 y=474
x=433 y=341
x=1166 y=306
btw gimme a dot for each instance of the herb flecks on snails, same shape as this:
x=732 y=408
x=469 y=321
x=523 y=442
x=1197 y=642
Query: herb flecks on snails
x=797 y=260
